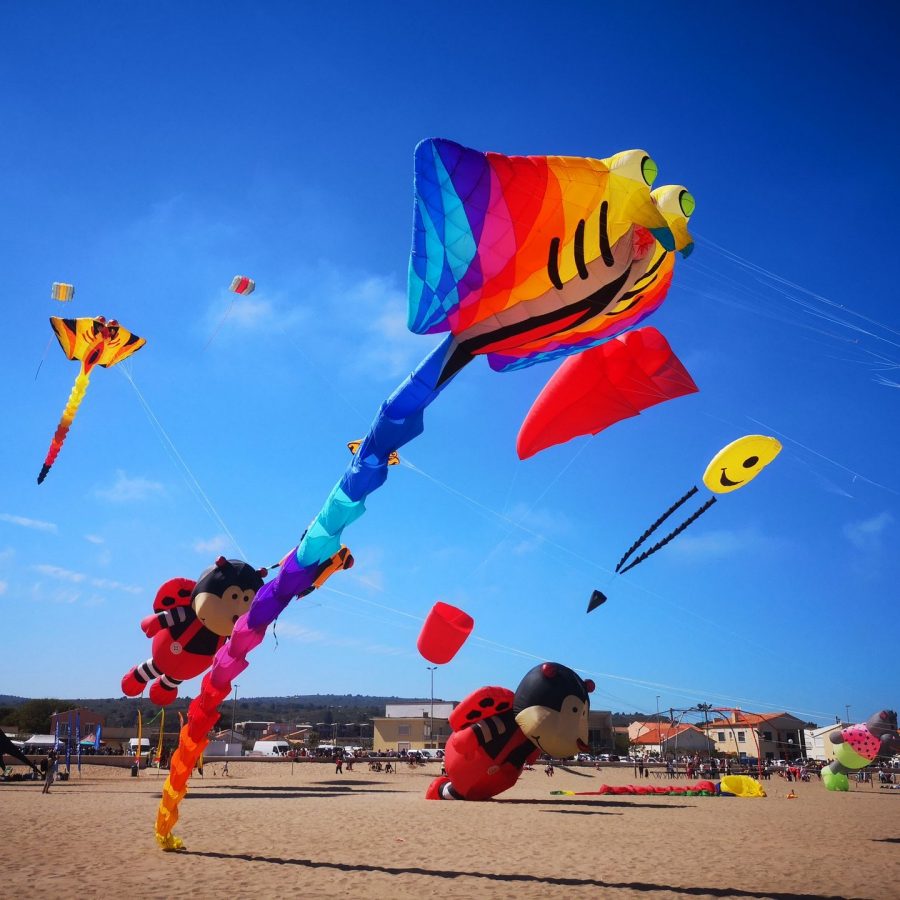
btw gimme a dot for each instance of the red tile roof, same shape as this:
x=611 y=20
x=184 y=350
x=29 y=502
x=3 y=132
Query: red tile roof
x=745 y=718
x=664 y=733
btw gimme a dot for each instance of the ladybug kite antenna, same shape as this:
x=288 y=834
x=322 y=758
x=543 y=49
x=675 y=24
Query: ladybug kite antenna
x=589 y=685
x=221 y=562
x=262 y=572
x=548 y=670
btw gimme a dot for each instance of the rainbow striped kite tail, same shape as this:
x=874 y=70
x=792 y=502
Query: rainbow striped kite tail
x=76 y=395
x=169 y=842
x=59 y=438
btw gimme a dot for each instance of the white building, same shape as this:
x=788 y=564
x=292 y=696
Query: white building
x=818 y=744
x=418 y=710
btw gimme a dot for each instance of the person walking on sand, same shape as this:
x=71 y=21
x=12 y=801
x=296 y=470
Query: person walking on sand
x=338 y=764
x=51 y=765
x=225 y=769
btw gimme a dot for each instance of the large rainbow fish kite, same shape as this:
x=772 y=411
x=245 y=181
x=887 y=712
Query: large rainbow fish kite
x=93 y=342
x=520 y=259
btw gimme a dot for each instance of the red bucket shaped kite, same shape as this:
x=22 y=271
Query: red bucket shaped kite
x=444 y=632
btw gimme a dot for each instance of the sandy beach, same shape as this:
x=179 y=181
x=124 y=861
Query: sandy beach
x=267 y=830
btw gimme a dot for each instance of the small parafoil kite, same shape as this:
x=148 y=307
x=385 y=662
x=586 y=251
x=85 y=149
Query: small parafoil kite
x=445 y=630
x=241 y=284
x=531 y=259
x=731 y=468
x=62 y=291
x=93 y=342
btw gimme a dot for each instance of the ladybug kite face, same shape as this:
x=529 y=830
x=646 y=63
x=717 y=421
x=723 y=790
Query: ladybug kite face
x=224 y=593
x=552 y=706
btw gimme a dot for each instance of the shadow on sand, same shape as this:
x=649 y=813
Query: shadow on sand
x=645 y=887
x=293 y=792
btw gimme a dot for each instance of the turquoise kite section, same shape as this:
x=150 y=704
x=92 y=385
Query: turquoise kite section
x=339 y=511
x=317 y=546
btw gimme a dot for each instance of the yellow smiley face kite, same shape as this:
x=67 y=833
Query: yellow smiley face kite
x=740 y=462
x=732 y=467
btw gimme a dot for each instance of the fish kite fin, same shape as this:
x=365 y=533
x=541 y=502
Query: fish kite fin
x=602 y=386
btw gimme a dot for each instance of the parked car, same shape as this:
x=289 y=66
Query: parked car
x=271 y=748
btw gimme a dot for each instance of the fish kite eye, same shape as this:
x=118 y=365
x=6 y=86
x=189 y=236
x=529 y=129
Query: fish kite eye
x=687 y=203
x=649 y=170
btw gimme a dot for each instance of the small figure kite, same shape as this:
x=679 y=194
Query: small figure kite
x=393 y=456
x=93 y=342
x=731 y=468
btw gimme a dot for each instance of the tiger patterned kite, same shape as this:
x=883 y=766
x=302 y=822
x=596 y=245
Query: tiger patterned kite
x=93 y=342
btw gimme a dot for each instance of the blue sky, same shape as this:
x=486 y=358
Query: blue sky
x=153 y=151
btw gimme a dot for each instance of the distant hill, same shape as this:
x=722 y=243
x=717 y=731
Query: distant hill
x=329 y=709
x=10 y=700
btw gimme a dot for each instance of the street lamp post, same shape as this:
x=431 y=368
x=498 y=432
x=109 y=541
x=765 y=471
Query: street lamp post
x=847 y=707
x=233 y=708
x=657 y=728
x=431 y=718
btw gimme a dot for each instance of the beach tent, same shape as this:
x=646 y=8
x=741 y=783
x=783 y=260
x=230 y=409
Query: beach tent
x=37 y=742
